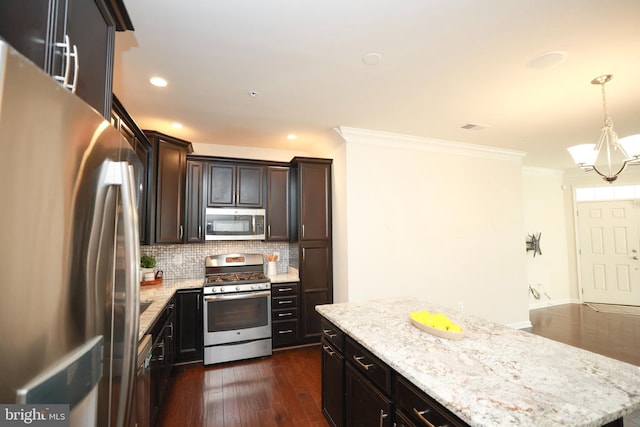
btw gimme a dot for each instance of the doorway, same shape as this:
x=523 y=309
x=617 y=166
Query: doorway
x=608 y=250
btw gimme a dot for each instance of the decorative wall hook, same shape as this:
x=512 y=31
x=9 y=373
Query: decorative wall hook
x=533 y=243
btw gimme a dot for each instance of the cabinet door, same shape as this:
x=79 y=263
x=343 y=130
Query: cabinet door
x=194 y=211
x=170 y=193
x=25 y=25
x=189 y=325
x=332 y=385
x=365 y=405
x=222 y=184
x=314 y=195
x=91 y=29
x=277 y=203
x=250 y=186
x=316 y=283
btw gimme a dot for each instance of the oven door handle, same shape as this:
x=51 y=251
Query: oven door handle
x=210 y=298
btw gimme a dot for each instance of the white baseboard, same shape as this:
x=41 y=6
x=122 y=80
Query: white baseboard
x=549 y=303
x=520 y=325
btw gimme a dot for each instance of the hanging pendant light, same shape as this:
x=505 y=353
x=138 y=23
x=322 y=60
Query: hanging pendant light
x=585 y=155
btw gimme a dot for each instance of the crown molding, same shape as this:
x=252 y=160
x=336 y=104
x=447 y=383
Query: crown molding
x=409 y=142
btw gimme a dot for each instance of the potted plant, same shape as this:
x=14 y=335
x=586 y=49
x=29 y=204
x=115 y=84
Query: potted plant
x=147 y=264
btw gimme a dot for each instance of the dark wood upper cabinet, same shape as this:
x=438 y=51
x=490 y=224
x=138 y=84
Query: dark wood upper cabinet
x=194 y=209
x=170 y=186
x=312 y=209
x=39 y=30
x=130 y=131
x=278 y=203
x=235 y=185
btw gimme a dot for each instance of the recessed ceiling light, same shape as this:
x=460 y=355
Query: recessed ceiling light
x=176 y=125
x=292 y=137
x=158 y=81
x=372 y=58
x=547 y=60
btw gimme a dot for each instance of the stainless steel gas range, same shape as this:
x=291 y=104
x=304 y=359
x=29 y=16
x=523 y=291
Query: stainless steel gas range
x=237 y=308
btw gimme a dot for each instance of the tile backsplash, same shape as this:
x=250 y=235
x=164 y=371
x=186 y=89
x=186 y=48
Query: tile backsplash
x=187 y=261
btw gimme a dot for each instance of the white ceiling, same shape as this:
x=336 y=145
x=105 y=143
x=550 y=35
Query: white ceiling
x=445 y=63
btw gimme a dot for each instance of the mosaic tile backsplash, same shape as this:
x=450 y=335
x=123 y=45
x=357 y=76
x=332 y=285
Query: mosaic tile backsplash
x=186 y=261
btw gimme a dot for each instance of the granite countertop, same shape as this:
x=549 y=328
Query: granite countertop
x=159 y=295
x=495 y=375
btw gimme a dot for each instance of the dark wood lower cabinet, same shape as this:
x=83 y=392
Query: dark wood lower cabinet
x=163 y=356
x=332 y=385
x=366 y=405
x=189 y=346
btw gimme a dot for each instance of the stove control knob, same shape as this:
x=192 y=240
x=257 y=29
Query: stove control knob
x=238 y=288
x=221 y=288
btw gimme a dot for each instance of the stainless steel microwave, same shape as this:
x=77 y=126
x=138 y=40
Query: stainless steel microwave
x=234 y=224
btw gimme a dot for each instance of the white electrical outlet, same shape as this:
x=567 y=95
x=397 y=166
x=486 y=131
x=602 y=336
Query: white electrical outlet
x=460 y=306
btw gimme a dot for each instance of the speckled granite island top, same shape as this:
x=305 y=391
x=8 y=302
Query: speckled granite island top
x=496 y=375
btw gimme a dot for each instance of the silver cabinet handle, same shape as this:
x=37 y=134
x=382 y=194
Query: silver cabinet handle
x=420 y=414
x=170 y=325
x=269 y=229
x=382 y=417
x=330 y=333
x=302 y=230
x=76 y=68
x=285 y=302
x=285 y=314
x=285 y=331
x=200 y=232
x=284 y=289
x=328 y=350
x=180 y=231
x=66 y=51
x=358 y=359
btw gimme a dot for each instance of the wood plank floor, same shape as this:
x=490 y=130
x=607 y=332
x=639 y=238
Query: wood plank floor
x=284 y=390
x=280 y=391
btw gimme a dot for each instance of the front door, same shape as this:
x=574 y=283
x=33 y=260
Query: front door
x=609 y=241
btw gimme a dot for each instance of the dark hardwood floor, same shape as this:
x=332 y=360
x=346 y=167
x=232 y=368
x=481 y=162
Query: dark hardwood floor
x=284 y=390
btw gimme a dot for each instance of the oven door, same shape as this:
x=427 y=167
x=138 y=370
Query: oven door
x=236 y=317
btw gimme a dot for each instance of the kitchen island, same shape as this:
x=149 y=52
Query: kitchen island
x=495 y=375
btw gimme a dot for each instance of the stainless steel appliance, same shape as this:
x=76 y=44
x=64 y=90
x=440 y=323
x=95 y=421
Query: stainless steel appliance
x=69 y=251
x=234 y=224
x=237 y=308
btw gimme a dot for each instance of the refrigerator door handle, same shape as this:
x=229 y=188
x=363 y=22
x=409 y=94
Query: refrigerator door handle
x=122 y=174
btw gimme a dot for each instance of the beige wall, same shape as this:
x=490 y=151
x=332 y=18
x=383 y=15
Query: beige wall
x=544 y=212
x=437 y=220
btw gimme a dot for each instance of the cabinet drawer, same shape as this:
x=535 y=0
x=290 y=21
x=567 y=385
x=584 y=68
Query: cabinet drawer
x=421 y=409
x=332 y=334
x=285 y=332
x=281 y=303
x=288 y=314
x=370 y=366
x=284 y=289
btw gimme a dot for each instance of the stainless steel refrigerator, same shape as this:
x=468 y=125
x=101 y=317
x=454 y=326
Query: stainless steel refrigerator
x=69 y=257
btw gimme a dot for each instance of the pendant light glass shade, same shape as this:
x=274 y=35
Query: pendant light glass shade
x=628 y=148
x=631 y=145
